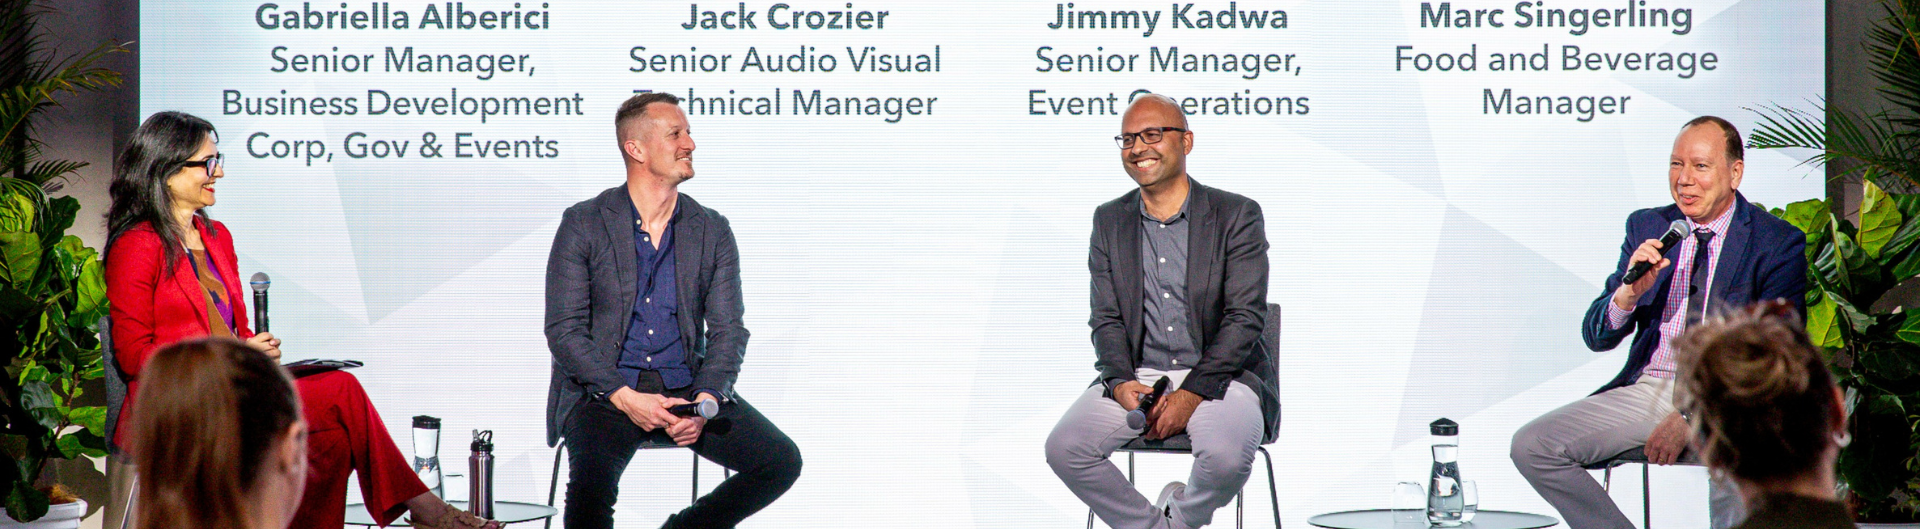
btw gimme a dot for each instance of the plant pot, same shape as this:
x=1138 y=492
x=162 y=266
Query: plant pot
x=62 y=516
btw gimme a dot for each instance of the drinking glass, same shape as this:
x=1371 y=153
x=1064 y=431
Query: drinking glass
x=1409 y=502
x=1470 y=493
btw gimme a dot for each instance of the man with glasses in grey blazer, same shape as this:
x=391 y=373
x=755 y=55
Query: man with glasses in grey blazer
x=1179 y=292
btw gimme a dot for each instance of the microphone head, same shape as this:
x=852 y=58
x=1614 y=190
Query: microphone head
x=706 y=408
x=1678 y=227
x=1137 y=419
x=260 y=282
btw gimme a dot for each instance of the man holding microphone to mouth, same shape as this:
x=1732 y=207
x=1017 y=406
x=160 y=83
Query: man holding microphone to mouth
x=1729 y=253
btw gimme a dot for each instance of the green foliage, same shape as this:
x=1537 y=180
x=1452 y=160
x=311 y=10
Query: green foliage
x=1876 y=356
x=52 y=287
x=1851 y=266
x=49 y=345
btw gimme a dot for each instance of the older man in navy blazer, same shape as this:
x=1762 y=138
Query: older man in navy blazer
x=1734 y=254
x=644 y=313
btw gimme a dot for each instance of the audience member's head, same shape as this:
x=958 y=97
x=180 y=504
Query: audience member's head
x=221 y=443
x=1764 y=408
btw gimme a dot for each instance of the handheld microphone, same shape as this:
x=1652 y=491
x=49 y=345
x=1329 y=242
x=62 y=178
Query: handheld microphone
x=1137 y=419
x=260 y=284
x=1676 y=231
x=704 y=409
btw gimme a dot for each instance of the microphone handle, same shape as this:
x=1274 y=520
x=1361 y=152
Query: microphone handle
x=1640 y=269
x=1634 y=273
x=260 y=312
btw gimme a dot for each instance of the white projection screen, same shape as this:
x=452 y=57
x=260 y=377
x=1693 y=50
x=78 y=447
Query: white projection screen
x=911 y=184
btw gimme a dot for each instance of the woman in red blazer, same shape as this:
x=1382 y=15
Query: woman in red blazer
x=171 y=276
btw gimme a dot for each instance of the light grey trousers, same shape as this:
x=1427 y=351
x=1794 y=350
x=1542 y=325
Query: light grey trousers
x=1225 y=433
x=1551 y=451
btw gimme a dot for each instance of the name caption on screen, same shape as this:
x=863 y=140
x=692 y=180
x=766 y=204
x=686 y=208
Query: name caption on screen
x=381 y=102
x=891 y=109
x=1247 y=66
x=1179 y=16
x=804 y=59
x=784 y=16
x=381 y=15
x=483 y=66
x=1583 y=108
x=1685 y=65
x=1241 y=103
x=360 y=145
x=1579 y=21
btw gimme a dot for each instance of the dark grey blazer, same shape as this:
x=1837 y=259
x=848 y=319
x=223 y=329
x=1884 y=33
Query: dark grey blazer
x=591 y=276
x=1226 y=289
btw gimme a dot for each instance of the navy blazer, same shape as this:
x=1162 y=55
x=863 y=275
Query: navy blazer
x=592 y=278
x=1763 y=258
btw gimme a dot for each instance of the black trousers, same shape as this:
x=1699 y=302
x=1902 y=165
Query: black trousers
x=601 y=440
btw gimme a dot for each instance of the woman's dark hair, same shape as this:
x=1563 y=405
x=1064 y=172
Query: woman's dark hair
x=159 y=148
x=1760 y=396
x=206 y=423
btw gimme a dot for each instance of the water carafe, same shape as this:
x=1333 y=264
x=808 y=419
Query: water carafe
x=426 y=453
x=1444 y=500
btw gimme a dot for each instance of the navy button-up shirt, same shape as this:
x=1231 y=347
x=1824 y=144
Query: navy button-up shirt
x=653 y=335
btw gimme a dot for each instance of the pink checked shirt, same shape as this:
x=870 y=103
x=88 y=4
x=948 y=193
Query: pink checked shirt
x=1674 y=319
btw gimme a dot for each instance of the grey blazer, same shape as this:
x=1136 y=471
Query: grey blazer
x=591 y=280
x=1226 y=289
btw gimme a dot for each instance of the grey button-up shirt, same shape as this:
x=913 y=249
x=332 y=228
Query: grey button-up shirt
x=1169 y=343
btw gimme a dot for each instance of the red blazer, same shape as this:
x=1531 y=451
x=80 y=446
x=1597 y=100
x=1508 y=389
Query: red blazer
x=150 y=308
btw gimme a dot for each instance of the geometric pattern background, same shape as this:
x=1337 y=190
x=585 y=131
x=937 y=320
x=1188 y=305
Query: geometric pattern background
x=917 y=291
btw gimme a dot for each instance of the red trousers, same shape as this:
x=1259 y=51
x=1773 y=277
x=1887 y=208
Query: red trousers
x=345 y=435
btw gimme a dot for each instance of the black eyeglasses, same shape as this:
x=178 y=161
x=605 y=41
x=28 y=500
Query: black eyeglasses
x=1151 y=135
x=212 y=163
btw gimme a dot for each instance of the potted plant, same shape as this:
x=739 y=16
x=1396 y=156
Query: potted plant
x=52 y=293
x=1862 y=292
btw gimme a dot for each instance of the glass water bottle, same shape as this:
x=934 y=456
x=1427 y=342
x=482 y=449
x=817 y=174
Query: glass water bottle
x=1444 y=500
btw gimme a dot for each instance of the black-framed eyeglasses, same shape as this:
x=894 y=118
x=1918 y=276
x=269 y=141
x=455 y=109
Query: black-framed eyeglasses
x=212 y=163
x=1151 y=135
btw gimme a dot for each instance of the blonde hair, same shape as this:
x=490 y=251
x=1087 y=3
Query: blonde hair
x=210 y=413
x=1760 y=395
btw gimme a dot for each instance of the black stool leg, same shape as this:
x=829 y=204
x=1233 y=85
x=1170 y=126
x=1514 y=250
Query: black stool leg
x=554 y=487
x=1646 y=498
x=1273 y=489
x=1240 y=508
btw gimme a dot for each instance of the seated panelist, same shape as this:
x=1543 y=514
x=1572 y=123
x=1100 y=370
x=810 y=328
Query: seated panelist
x=1730 y=254
x=644 y=313
x=1179 y=294
x=171 y=275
